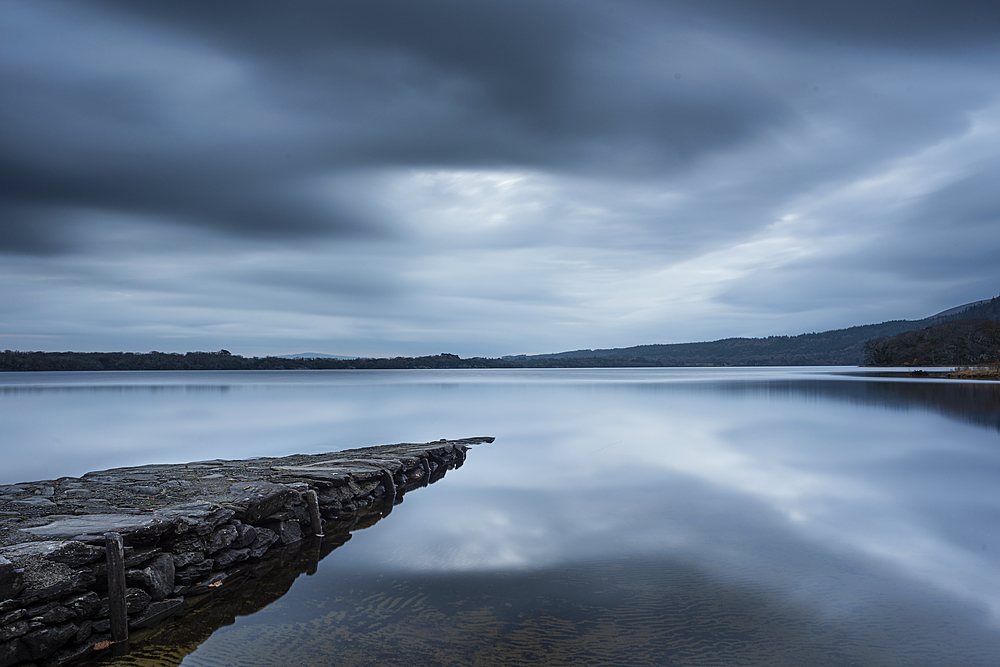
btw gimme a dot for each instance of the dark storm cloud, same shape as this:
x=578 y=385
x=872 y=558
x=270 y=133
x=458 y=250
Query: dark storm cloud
x=224 y=197
x=968 y=202
x=912 y=24
x=518 y=48
x=525 y=82
x=389 y=175
x=954 y=228
x=346 y=86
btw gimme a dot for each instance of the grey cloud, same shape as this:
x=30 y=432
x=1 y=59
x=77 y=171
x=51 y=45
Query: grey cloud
x=31 y=230
x=347 y=86
x=948 y=238
x=349 y=282
x=912 y=24
x=516 y=80
x=969 y=201
x=202 y=195
x=516 y=47
x=200 y=134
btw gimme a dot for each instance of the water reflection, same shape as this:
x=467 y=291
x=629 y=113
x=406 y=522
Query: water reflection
x=246 y=592
x=973 y=402
x=57 y=424
x=691 y=605
x=616 y=612
x=804 y=517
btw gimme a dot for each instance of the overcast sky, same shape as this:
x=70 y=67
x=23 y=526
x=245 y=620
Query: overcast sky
x=485 y=178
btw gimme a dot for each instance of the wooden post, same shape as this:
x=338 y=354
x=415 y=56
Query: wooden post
x=389 y=498
x=390 y=486
x=116 y=587
x=312 y=502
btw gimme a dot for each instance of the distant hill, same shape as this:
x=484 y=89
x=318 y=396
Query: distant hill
x=961 y=309
x=962 y=342
x=840 y=347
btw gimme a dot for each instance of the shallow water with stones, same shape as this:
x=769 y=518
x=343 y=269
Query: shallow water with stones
x=639 y=516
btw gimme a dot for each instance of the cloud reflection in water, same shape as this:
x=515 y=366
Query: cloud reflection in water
x=770 y=478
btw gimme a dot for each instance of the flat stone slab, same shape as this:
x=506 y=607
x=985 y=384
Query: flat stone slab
x=146 y=501
x=95 y=525
x=68 y=552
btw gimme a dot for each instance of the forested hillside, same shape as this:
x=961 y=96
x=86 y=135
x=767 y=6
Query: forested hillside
x=962 y=335
x=956 y=343
x=841 y=347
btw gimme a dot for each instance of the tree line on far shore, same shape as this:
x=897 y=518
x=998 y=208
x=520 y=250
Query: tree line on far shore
x=963 y=337
x=957 y=343
x=13 y=360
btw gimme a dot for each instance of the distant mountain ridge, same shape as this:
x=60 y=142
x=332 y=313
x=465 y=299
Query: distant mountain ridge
x=961 y=309
x=969 y=338
x=839 y=347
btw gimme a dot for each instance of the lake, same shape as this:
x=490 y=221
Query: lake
x=747 y=516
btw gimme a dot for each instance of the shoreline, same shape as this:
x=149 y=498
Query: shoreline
x=979 y=375
x=188 y=531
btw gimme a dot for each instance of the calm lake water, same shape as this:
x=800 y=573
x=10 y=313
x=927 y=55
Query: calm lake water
x=804 y=516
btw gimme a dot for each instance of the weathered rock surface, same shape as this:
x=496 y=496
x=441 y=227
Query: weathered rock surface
x=222 y=538
x=231 y=557
x=259 y=499
x=13 y=652
x=11 y=579
x=289 y=532
x=193 y=573
x=136 y=600
x=188 y=530
x=157 y=579
x=46 y=641
x=141 y=529
x=85 y=605
x=71 y=553
x=265 y=538
x=157 y=611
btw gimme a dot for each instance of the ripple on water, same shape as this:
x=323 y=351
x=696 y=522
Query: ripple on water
x=622 y=612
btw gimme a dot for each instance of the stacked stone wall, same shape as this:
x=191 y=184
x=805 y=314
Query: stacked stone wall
x=54 y=607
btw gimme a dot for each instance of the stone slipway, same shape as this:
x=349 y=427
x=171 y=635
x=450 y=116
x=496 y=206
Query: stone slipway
x=187 y=529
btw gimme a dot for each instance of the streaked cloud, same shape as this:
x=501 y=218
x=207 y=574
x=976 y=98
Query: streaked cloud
x=389 y=178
